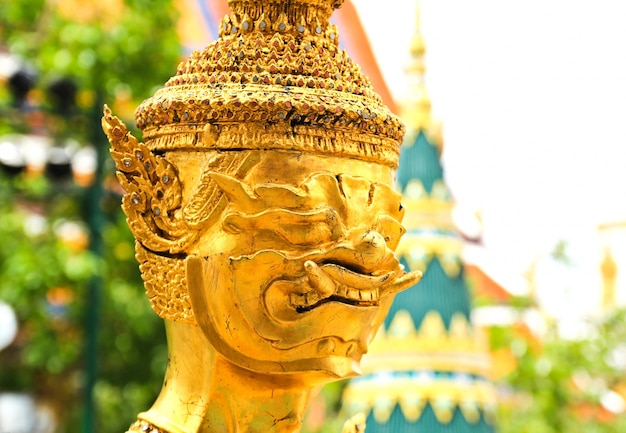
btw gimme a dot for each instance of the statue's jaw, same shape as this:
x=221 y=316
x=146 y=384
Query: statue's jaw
x=267 y=333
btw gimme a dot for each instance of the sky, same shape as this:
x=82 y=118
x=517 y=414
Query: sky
x=532 y=96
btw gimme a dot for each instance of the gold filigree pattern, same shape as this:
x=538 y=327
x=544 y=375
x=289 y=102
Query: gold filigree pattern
x=166 y=285
x=207 y=199
x=140 y=426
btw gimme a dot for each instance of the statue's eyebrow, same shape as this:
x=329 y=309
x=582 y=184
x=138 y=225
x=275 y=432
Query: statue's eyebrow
x=297 y=228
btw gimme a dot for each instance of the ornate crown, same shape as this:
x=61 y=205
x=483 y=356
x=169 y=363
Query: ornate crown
x=276 y=65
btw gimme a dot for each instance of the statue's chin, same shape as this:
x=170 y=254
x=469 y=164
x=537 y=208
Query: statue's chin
x=321 y=344
x=313 y=371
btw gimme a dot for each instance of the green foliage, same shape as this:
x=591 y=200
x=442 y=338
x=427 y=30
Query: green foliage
x=45 y=278
x=117 y=57
x=113 y=53
x=133 y=350
x=18 y=18
x=141 y=37
x=559 y=384
x=42 y=278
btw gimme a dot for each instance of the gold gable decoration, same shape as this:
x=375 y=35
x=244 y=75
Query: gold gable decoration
x=419 y=251
x=428 y=210
x=430 y=228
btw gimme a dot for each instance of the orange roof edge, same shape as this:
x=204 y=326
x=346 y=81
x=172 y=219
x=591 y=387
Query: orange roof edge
x=485 y=285
x=220 y=8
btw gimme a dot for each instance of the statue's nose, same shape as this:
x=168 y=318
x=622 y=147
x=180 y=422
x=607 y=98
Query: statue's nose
x=370 y=249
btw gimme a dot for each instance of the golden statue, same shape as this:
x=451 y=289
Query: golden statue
x=265 y=219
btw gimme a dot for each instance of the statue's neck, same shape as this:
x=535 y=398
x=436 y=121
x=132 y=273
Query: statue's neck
x=204 y=393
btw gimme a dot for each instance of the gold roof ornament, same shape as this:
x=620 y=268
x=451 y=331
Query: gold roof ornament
x=261 y=200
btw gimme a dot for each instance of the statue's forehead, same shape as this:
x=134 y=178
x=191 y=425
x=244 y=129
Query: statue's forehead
x=292 y=167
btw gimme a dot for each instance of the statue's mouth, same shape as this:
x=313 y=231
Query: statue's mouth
x=360 y=272
x=335 y=282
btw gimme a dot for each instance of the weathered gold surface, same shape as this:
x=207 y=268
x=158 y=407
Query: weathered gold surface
x=265 y=219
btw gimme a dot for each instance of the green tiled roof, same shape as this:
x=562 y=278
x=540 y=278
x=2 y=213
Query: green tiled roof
x=427 y=423
x=419 y=159
x=436 y=291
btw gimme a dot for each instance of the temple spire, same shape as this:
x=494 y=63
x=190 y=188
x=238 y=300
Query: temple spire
x=416 y=109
